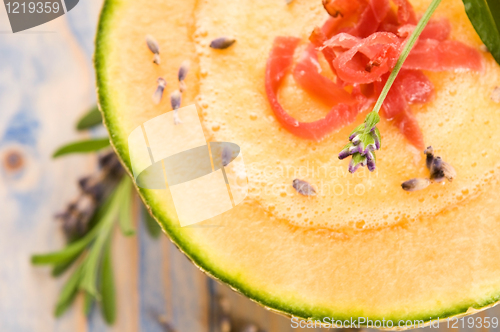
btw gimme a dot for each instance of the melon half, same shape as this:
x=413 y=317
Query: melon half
x=362 y=247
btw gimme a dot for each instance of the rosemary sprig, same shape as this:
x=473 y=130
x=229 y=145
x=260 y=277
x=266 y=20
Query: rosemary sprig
x=366 y=139
x=92 y=252
x=90 y=249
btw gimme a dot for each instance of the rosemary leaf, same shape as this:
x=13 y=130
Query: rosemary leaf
x=90 y=119
x=60 y=268
x=125 y=217
x=68 y=293
x=154 y=230
x=88 y=300
x=485 y=18
x=91 y=264
x=70 y=253
x=84 y=146
x=108 y=302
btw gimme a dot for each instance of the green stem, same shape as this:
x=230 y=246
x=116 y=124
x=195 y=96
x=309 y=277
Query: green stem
x=406 y=51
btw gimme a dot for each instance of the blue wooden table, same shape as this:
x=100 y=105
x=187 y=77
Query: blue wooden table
x=46 y=83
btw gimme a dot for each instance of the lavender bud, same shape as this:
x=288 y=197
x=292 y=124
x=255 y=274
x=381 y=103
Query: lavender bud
x=448 y=171
x=375 y=133
x=175 y=99
x=361 y=148
x=441 y=170
x=370 y=161
x=183 y=70
x=159 y=90
x=429 y=153
x=353 y=167
x=371 y=165
x=357 y=161
x=222 y=43
x=348 y=150
x=356 y=139
x=344 y=153
x=415 y=184
x=154 y=48
x=437 y=173
x=303 y=187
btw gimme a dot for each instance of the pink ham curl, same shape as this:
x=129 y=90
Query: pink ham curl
x=278 y=65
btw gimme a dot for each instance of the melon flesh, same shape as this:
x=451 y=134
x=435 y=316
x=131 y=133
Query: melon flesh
x=362 y=247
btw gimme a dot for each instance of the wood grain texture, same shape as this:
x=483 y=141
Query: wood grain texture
x=46 y=82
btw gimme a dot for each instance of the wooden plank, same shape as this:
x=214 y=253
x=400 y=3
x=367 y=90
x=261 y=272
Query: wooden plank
x=126 y=262
x=186 y=291
x=36 y=70
x=152 y=303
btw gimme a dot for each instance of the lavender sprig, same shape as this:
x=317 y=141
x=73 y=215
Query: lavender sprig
x=366 y=139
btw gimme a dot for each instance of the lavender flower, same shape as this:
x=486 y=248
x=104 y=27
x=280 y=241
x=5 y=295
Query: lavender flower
x=364 y=141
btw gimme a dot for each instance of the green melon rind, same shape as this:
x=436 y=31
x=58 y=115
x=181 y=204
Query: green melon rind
x=191 y=250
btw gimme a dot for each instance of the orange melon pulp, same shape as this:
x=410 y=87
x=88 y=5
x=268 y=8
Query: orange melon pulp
x=362 y=247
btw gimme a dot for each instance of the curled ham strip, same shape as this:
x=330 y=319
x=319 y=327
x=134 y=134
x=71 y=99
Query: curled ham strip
x=408 y=126
x=317 y=38
x=361 y=42
x=381 y=49
x=436 y=29
x=278 y=64
x=415 y=86
x=406 y=14
x=435 y=55
x=410 y=87
x=370 y=19
x=306 y=74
